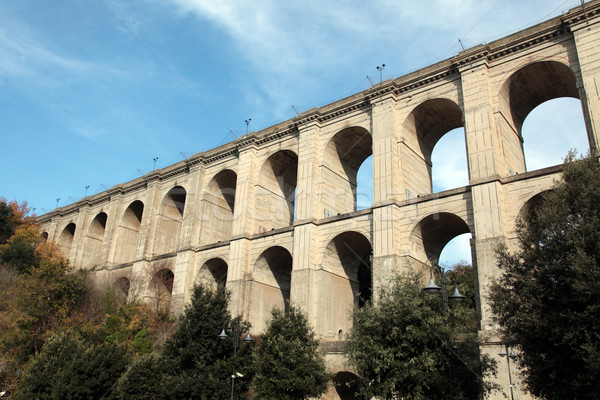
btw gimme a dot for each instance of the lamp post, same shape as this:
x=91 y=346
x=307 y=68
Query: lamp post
x=455 y=297
x=509 y=356
x=236 y=341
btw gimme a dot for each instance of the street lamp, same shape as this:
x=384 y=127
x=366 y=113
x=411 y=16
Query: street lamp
x=236 y=341
x=509 y=356
x=432 y=288
x=456 y=297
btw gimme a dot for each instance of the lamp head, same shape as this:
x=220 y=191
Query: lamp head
x=431 y=287
x=457 y=297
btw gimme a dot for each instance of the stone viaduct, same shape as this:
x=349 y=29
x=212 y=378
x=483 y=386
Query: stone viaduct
x=273 y=214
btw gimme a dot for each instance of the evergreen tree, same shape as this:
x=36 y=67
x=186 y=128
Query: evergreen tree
x=195 y=363
x=288 y=365
x=68 y=369
x=408 y=346
x=547 y=299
x=145 y=379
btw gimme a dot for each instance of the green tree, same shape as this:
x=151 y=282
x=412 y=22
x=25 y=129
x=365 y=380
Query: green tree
x=194 y=362
x=547 y=299
x=7 y=227
x=67 y=368
x=288 y=364
x=406 y=345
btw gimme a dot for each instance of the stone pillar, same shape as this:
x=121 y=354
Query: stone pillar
x=486 y=164
x=109 y=244
x=82 y=222
x=386 y=188
x=386 y=175
x=150 y=220
x=237 y=274
x=587 y=43
x=244 y=193
x=484 y=150
x=197 y=184
x=308 y=208
x=307 y=196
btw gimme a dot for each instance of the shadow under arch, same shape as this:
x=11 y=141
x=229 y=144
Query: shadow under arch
x=121 y=289
x=523 y=91
x=93 y=240
x=65 y=240
x=170 y=220
x=128 y=232
x=345 y=280
x=347 y=385
x=275 y=191
x=432 y=233
x=218 y=203
x=424 y=127
x=160 y=289
x=344 y=154
x=271 y=285
x=213 y=272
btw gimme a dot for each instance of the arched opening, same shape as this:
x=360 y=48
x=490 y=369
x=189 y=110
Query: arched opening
x=525 y=90
x=364 y=184
x=121 y=290
x=65 y=241
x=344 y=155
x=170 y=220
x=44 y=236
x=275 y=191
x=271 y=283
x=449 y=161
x=129 y=232
x=218 y=205
x=213 y=273
x=93 y=241
x=161 y=289
x=423 y=129
x=552 y=129
x=527 y=214
x=346 y=385
x=457 y=251
x=345 y=280
x=433 y=233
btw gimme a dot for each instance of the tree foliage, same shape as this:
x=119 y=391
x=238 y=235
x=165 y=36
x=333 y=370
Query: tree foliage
x=194 y=362
x=67 y=368
x=288 y=364
x=547 y=299
x=406 y=345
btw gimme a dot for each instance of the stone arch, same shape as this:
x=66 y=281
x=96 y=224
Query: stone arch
x=526 y=214
x=275 y=191
x=346 y=280
x=424 y=127
x=128 y=232
x=213 y=272
x=170 y=219
x=218 y=205
x=160 y=289
x=44 y=236
x=121 y=289
x=524 y=90
x=432 y=233
x=346 y=385
x=271 y=285
x=93 y=240
x=344 y=154
x=65 y=241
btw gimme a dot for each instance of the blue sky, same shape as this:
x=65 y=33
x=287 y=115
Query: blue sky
x=92 y=91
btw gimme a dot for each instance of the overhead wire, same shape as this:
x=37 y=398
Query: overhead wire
x=166 y=65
